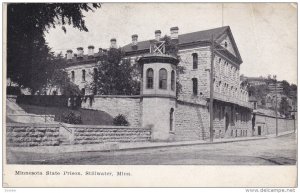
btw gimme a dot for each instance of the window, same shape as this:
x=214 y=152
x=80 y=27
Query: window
x=163 y=78
x=73 y=76
x=83 y=75
x=195 y=86
x=95 y=73
x=149 y=76
x=171 y=118
x=173 y=80
x=226 y=45
x=83 y=91
x=195 y=61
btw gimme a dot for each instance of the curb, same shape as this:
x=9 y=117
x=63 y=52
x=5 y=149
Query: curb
x=178 y=145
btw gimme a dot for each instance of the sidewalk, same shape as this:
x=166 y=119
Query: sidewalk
x=123 y=146
x=280 y=134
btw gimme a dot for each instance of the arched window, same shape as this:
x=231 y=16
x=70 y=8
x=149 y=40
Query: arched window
x=73 y=76
x=195 y=86
x=163 y=78
x=173 y=80
x=195 y=60
x=149 y=76
x=83 y=75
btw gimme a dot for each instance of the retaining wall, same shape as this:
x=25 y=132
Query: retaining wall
x=90 y=134
x=28 y=134
x=130 y=106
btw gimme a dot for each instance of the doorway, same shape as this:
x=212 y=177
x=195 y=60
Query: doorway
x=259 y=130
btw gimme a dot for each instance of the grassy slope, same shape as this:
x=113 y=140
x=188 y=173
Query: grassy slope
x=89 y=117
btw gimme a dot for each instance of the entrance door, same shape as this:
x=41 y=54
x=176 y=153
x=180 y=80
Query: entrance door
x=259 y=130
x=226 y=122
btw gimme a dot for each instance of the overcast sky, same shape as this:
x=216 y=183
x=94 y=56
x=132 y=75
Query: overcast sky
x=265 y=33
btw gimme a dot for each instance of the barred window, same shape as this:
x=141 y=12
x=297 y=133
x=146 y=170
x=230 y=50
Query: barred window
x=195 y=60
x=83 y=75
x=195 y=86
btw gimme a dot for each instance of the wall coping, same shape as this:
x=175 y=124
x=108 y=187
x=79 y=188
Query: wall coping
x=102 y=126
x=32 y=124
x=11 y=96
x=263 y=115
x=115 y=96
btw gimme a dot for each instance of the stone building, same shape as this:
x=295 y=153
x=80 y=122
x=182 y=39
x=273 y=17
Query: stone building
x=186 y=116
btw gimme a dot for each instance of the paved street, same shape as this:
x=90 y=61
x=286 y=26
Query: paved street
x=273 y=151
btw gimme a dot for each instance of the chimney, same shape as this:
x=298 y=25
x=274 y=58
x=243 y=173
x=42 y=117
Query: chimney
x=113 y=43
x=69 y=54
x=134 y=39
x=80 y=52
x=91 y=51
x=174 y=32
x=157 y=35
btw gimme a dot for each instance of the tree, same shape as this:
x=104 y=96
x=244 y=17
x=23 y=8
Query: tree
x=284 y=107
x=259 y=92
x=58 y=78
x=286 y=87
x=116 y=76
x=27 y=51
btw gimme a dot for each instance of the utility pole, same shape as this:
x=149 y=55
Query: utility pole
x=276 y=105
x=211 y=114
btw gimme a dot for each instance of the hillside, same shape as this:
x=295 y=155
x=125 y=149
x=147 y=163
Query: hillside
x=89 y=117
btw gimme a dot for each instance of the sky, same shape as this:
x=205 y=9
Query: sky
x=265 y=33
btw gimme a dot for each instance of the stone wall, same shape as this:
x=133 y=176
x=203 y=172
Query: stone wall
x=267 y=125
x=192 y=121
x=28 y=134
x=130 y=106
x=91 y=134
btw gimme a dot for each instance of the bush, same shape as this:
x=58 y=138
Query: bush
x=120 y=120
x=13 y=90
x=71 y=118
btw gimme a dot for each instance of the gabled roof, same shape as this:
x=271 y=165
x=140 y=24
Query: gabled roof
x=194 y=37
x=182 y=39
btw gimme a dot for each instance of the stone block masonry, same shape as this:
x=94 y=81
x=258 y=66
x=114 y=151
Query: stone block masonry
x=266 y=125
x=91 y=134
x=28 y=134
x=192 y=122
x=130 y=106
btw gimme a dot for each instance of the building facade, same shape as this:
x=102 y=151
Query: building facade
x=185 y=115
